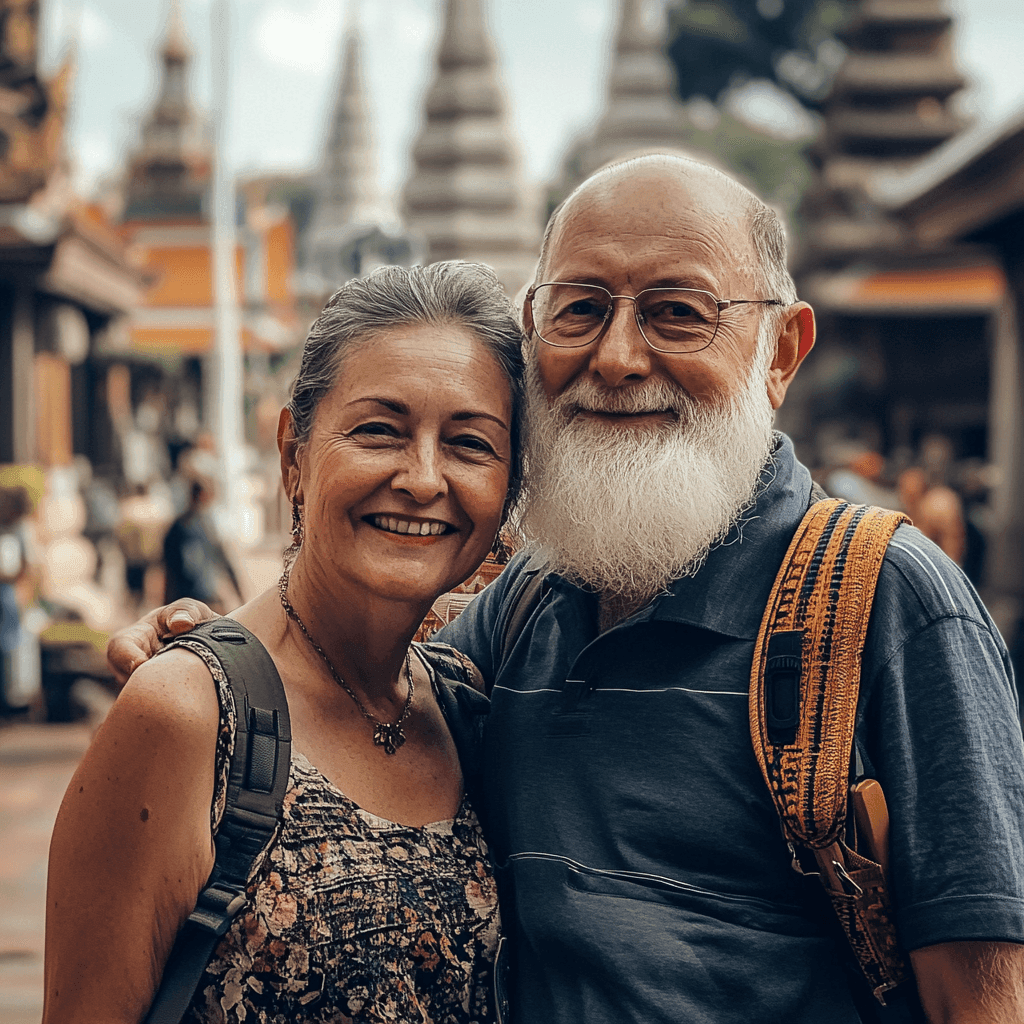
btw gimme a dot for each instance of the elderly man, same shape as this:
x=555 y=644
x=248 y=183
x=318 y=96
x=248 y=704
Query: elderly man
x=645 y=874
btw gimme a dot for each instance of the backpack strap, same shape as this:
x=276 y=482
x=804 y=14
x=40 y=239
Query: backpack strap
x=526 y=598
x=803 y=706
x=257 y=779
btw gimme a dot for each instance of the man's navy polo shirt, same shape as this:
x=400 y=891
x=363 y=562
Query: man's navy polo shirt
x=625 y=805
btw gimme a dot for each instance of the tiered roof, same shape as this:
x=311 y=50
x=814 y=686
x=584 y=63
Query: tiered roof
x=889 y=105
x=465 y=198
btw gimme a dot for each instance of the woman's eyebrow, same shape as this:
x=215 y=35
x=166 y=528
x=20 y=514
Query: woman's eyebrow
x=470 y=415
x=389 y=403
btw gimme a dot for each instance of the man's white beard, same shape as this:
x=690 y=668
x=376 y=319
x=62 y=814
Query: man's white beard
x=626 y=510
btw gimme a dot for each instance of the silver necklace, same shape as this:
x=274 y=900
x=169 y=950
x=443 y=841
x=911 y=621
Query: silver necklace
x=389 y=735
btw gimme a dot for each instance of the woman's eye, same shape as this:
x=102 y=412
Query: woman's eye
x=376 y=429
x=472 y=443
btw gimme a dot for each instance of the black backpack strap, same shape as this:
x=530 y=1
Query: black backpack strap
x=257 y=780
x=527 y=595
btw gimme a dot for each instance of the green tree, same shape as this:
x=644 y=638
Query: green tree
x=717 y=45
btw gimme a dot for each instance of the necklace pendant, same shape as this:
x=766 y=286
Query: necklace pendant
x=389 y=735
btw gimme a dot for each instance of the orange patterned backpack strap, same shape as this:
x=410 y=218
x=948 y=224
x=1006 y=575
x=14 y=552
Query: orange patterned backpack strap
x=803 y=706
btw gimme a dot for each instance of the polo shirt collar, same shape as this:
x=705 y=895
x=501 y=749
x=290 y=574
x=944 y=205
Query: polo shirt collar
x=728 y=594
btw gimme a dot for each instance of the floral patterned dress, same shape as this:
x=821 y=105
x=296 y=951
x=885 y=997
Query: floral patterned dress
x=354 y=919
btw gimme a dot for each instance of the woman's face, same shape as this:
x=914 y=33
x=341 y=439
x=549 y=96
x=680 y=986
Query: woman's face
x=403 y=478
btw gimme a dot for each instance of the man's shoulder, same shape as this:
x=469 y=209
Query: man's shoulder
x=476 y=631
x=926 y=581
x=922 y=594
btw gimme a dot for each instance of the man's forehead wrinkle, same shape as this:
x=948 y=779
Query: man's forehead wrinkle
x=666 y=233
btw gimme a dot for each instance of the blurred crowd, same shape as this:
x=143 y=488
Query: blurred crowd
x=945 y=497
x=79 y=559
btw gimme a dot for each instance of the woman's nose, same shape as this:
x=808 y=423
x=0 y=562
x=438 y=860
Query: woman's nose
x=421 y=474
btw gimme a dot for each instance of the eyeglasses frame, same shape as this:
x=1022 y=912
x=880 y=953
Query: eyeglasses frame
x=720 y=303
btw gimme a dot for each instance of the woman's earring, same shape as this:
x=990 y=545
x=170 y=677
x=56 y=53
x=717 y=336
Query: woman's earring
x=296 y=524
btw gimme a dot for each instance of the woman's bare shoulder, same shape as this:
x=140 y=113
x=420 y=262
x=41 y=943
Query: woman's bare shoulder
x=173 y=691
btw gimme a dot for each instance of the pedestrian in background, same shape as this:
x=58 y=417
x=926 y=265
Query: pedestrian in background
x=195 y=563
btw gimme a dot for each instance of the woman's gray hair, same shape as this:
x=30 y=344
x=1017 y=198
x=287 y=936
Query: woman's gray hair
x=451 y=293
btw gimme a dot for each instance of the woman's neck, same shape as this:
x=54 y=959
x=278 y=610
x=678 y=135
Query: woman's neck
x=364 y=636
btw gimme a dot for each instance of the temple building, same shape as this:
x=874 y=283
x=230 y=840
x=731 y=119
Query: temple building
x=66 y=283
x=642 y=111
x=465 y=197
x=971 y=192
x=350 y=229
x=166 y=222
x=893 y=365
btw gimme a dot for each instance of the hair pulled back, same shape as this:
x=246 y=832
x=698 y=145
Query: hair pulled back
x=450 y=293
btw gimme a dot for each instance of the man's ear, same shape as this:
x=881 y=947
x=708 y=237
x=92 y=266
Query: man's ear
x=527 y=316
x=288 y=446
x=796 y=339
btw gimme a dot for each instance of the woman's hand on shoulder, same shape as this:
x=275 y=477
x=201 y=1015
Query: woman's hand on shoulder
x=132 y=844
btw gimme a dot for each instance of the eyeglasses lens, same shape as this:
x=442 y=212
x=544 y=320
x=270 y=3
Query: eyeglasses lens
x=672 y=319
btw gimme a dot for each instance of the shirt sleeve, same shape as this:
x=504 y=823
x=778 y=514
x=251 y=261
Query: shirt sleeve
x=941 y=730
x=476 y=631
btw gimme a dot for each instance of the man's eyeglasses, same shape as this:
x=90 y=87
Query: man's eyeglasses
x=670 y=319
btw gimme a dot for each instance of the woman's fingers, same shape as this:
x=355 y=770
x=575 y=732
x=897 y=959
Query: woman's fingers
x=131 y=647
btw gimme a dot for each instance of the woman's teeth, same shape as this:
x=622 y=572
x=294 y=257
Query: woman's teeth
x=393 y=525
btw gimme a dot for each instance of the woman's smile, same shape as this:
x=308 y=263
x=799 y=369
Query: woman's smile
x=412 y=528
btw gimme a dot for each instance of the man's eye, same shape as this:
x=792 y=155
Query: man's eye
x=671 y=311
x=585 y=308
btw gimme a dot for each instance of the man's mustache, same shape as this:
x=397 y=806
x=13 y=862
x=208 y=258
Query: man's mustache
x=656 y=397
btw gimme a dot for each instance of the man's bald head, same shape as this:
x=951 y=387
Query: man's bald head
x=719 y=196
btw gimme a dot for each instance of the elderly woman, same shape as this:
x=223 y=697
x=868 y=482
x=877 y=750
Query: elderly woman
x=400 y=456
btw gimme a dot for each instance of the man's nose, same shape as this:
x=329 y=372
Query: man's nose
x=622 y=354
x=421 y=474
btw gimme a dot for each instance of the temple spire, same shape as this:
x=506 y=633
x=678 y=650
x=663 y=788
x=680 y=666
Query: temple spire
x=347 y=199
x=169 y=173
x=465 y=197
x=641 y=112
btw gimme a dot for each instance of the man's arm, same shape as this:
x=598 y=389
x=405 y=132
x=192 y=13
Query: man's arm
x=131 y=647
x=971 y=982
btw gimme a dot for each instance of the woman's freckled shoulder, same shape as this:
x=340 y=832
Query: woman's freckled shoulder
x=172 y=691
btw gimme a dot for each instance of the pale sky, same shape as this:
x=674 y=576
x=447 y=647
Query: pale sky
x=553 y=56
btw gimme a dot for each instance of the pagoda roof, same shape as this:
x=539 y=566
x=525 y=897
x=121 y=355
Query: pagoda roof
x=879 y=74
x=850 y=127
x=879 y=16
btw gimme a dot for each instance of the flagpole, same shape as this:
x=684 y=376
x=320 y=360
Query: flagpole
x=228 y=392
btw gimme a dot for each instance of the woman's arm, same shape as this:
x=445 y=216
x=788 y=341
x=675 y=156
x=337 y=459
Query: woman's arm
x=132 y=845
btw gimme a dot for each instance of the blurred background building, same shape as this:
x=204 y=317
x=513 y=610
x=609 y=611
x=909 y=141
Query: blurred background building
x=904 y=214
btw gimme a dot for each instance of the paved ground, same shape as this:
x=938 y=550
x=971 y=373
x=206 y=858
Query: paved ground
x=36 y=764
